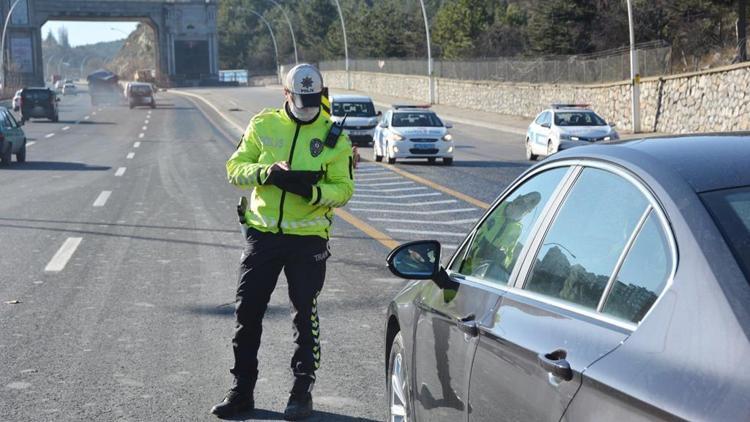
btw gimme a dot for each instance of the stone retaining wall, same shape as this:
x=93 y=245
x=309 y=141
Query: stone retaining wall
x=716 y=100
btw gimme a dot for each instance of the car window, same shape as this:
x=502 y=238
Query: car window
x=416 y=119
x=37 y=95
x=540 y=119
x=353 y=109
x=7 y=123
x=13 y=121
x=588 y=235
x=730 y=210
x=643 y=274
x=500 y=238
x=578 y=118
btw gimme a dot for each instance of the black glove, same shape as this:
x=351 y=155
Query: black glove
x=293 y=176
x=304 y=190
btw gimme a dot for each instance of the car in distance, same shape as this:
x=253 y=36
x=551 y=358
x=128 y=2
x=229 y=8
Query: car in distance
x=69 y=89
x=39 y=102
x=361 y=118
x=17 y=100
x=409 y=131
x=140 y=94
x=606 y=283
x=564 y=126
x=12 y=138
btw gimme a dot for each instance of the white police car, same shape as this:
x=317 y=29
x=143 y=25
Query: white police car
x=564 y=126
x=409 y=131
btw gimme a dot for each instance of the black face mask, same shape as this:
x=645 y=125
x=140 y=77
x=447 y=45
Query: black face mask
x=307 y=100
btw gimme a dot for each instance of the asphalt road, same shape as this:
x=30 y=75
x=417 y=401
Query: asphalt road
x=136 y=324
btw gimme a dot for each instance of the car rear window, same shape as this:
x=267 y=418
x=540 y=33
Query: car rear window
x=36 y=95
x=353 y=109
x=730 y=209
x=143 y=90
x=416 y=119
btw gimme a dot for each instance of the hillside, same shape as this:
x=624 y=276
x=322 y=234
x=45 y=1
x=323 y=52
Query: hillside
x=137 y=52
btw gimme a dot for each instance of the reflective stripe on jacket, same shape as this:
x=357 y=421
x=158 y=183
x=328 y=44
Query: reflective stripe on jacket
x=274 y=136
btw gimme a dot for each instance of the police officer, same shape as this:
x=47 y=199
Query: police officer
x=298 y=174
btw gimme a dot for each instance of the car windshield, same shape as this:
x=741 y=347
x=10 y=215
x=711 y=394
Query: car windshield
x=578 y=118
x=416 y=119
x=731 y=211
x=36 y=95
x=353 y=109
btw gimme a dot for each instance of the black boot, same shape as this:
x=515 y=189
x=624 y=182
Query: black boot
x=300 y=404
x=237 y=401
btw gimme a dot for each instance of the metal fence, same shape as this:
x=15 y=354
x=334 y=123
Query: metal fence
x=609 y=66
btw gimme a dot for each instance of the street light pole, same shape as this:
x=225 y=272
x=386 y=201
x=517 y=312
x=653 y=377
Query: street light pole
x=2 y=45
x=346 y=47
x=429 y=53
x=635 y=77
x=49 y=64
x=289 y=22
x=83 y=62
x=273 y=38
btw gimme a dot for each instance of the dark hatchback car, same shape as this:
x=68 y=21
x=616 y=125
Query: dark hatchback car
x=608 y=282
x=39 y=103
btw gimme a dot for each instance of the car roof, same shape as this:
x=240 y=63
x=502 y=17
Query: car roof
x=705 y=161
x=352 y=98
x=36 y=88
x=413 y=110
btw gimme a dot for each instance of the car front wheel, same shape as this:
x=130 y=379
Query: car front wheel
x=550 y=148
x=7 y=154
x=21 y=154
x=399 y=405
x=375 y=155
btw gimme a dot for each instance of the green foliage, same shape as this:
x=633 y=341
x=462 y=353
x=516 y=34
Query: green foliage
x=467 y=28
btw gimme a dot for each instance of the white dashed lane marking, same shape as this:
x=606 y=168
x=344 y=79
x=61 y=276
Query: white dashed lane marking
x=63 y=255
x=136 y=145
x=102 y=198
x=65 y=128
x=30 y=143
x=49 y=135
x=130 y=155
x=120 y=171
x=141 y=135
x=145 y=122
x=144 y=128
x=87 y=117
x=369 y=185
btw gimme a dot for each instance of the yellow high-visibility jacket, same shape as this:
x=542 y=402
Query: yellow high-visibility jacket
x=274 y=136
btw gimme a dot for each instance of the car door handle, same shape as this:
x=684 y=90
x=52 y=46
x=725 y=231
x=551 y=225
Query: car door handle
x=555 y=364
x=468 y=325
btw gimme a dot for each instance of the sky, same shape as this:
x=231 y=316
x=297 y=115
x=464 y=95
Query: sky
x=82 y=33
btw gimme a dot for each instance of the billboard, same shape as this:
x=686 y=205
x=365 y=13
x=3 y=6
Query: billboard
x=21 y=54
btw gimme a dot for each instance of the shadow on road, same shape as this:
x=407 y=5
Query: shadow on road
x=227 y=310
x=270 y=415
x=55 y=166
x=89 y=122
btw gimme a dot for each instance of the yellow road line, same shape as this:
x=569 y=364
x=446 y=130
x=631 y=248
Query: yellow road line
x=369 y=230
x=449 y=191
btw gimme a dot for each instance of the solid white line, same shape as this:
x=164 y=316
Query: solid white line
x=364 y=185
x=120 y=171
x=399 y=204
x=426 y=232
x=136 y=145
x=413 y=212
x=130 y=155
x=141 y=135
x=49 y=135
x=440 y=223
x=63 y=255
x=102 y=198
x=412 y=195
x=391 y=190
x=66 y=128
x=30 y=143
x=144 y=128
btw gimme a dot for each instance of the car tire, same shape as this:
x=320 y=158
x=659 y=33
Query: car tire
x=431 y=160
x=399 y=393
x=549 y=148
x=448 y=161
x=21 y=154
x=529 y=154
x=6 y=155
x=55 y=119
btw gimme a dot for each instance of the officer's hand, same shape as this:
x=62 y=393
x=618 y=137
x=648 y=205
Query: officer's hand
x=299 y=188
x=276 y=172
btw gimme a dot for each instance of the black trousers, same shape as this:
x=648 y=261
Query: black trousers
x=303 y=259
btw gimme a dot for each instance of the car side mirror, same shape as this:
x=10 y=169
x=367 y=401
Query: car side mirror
x=449 y=126
x=418 y=260
x=547 y=125
x=379 y=113
x=613 y=125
